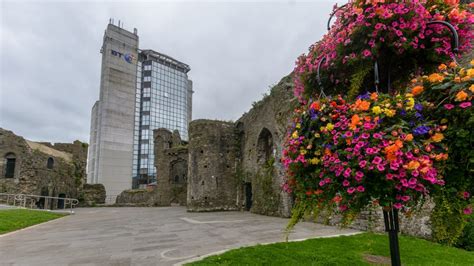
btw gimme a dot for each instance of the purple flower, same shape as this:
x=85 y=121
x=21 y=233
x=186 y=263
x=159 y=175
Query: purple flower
x=421 y=130
x=418 y=107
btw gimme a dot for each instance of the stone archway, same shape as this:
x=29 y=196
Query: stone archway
x=265 y=146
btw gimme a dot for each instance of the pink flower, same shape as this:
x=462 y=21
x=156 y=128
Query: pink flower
x=467 y=211
x=466 y=195
x=377 y=160
x=345 y=183
x=360 y=189
x=448 y=106
x=362 y=163
x=343 y=208
x=366 y=53
x=351 y=190
x=465 y=105
x=397 y=205
x=380 y=167
x=389 y=176
x=405 y=198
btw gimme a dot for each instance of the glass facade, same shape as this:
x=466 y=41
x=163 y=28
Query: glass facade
x=163 y=100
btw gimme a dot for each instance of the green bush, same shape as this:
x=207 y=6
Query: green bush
x=466 y=241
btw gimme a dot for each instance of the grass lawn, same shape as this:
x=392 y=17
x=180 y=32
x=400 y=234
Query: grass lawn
x=344 y=250
x=14 y=219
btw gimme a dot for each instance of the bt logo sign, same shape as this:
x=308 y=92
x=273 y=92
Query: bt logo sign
x=129 y=58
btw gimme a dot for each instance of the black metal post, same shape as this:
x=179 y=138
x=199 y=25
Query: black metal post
x=390 y=217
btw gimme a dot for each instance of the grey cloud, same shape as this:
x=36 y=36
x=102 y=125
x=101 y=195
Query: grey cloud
x=50 y=60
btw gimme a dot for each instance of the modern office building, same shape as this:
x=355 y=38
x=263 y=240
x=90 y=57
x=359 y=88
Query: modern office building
x=139 y=91
x=163 y=100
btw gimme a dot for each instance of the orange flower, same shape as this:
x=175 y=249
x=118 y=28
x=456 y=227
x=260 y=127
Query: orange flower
x=337 y=199
x=451 y=2
x=361 y=105
x=442 y=67
x=315 y=106
x=399 y=143
x=461 y=96
x=472 y=88
x=374 y=96
x=417 y=90
x=355 y=120
x=409 y=137
x=435 y=78
x=452 y=64
x=412 y=165
x=437 y=137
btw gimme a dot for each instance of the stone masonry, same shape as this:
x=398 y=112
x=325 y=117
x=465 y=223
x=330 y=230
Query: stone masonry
x=213 y=159
x=44 y=169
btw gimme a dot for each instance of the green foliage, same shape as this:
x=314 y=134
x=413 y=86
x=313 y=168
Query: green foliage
x=14 y=219
x=266 y=199
x=357 y=80
x=447 y=221
x=466 y=241
x=344 y=250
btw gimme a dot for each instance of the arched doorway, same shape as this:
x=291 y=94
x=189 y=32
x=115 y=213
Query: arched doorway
x=61 y=200
x=41 y=203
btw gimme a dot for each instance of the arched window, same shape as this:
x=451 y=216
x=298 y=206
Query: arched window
x=50 y=163
x=10 y=162
x=264 y=146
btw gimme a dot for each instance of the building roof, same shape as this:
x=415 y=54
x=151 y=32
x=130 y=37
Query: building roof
x=166 y=59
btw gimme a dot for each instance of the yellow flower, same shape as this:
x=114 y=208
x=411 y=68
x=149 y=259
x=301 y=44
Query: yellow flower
x=303 y=151
x=444 y=121
x=470 y=72
x=376 y=110
x=410 y=103
x=329 y=126
x=317 y=135
x=314 y=161
x=472 y=88
x=389 y=112
x=472 y=62
x=437 y=137
x=298 y=125
x=295 y=135
x=461 y=96
x=435 y=78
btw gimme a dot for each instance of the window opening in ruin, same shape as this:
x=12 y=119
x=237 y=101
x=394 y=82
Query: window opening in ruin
x=248 y=195
x=50 y=163
x=10 y=163
x=264 y=146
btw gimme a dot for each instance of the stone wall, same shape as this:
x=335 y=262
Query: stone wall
x=171 y=161
x=138 y=198
x=213 y=152
x=261 y=134
x=92 y=194
x=38 y=169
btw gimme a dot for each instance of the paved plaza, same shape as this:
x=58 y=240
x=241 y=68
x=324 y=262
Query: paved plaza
x=145 y=236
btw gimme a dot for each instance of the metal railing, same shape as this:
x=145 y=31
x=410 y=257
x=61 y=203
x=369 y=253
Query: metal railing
x=38 y=202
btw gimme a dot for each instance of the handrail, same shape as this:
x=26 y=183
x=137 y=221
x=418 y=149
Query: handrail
x=21 y=200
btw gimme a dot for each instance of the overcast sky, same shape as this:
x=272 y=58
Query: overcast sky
x=50 y=60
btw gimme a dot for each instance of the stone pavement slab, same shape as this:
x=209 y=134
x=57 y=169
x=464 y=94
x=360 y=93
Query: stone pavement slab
x=145 y=236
